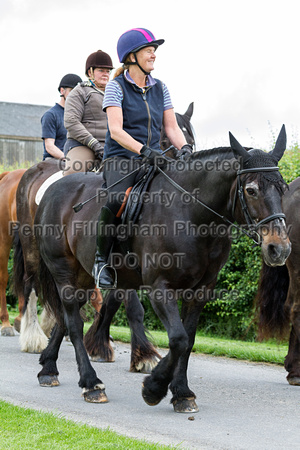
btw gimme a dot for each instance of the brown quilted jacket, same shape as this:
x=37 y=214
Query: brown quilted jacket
x=83 y=117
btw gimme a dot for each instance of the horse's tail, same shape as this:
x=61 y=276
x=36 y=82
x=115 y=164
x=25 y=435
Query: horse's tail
x=273 y=319
x=49 y=293
x=18 y=266
x=3 y=174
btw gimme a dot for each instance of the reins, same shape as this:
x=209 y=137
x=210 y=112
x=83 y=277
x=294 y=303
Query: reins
x=239 y=193
x=79 y=206
x=252 y=233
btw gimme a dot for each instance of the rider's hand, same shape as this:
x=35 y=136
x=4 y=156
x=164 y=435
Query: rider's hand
x=98 y=150
x=184 y=152
x=153 y=157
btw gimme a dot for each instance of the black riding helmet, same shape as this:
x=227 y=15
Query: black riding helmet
x=69 y=81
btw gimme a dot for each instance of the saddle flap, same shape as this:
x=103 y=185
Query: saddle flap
x=134 y=203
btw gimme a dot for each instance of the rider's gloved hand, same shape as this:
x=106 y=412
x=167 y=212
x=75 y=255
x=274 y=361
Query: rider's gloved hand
x=184 y=152
x=153 y=157
x=98 y=150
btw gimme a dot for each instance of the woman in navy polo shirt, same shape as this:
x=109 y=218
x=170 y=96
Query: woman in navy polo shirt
x=137 y=105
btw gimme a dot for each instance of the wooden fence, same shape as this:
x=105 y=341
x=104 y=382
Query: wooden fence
x=17 y=151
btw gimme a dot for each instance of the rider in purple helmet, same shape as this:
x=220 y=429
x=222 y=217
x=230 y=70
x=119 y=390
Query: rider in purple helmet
x=137 y=105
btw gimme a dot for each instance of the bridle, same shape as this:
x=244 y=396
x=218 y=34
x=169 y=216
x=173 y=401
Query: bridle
x=239 y=192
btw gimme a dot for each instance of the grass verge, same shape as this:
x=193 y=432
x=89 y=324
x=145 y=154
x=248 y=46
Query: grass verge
x=267 y=352
x=23 y=428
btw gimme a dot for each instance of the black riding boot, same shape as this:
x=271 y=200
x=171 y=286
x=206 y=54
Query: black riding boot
x=105 y=276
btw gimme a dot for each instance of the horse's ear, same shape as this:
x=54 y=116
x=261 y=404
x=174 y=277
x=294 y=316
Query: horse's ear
x=280 y=145
x=189 y=111
x=237 y=149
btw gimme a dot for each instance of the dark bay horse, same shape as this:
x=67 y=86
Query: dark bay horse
x=33 y=339
x=278 y=297
x=184 y=123
x=180 y=243
x=8 y=185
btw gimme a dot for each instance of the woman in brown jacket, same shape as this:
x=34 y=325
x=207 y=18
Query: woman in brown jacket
x=85 y=121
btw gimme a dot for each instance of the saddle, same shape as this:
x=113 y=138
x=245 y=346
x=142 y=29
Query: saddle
x=133 y=209
x=134 y=204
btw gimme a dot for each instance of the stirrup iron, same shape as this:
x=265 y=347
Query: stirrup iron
x=114 y=286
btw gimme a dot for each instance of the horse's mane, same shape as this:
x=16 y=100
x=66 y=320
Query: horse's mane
x=264 y=178
x=223 y=152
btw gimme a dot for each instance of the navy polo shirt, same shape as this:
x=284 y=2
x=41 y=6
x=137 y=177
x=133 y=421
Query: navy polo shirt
x=53 y=128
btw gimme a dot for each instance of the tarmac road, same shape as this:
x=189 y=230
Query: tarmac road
x=242 y=405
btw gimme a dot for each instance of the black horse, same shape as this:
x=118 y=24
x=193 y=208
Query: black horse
x=278 y=297
x=179 y=250
x=184 y=123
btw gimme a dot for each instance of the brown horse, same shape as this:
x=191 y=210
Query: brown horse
x=278 y=297
x=8 y=185
x=34 y=337
x=164 y=235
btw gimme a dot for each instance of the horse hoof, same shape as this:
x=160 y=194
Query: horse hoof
x=146 y=366
x=32 y=350
x=185 y=405
x=48 y=380
x=148 y=397
x=7 y=331
x=96 y=395
x=294 y=381
x=101 y=360
x=112 y=342
x=17 y=324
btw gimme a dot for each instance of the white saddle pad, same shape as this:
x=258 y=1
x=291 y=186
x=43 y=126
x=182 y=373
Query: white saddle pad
x=55 y=177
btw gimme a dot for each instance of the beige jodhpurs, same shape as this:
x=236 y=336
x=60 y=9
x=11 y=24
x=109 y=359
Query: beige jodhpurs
x=79 y=159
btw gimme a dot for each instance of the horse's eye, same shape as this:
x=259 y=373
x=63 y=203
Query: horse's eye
x=251 y=191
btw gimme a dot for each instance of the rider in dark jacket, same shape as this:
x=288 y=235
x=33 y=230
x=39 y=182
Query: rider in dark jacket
x=137 y=105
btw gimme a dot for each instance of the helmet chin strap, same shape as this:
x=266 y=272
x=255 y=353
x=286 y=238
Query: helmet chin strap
x=139 y=66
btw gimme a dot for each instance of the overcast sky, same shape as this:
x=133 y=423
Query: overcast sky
x=237 y=60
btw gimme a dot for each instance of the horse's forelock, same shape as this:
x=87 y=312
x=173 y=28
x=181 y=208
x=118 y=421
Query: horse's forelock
x=265 y=179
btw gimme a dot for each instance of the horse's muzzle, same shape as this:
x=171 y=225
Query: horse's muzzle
x=276 y=254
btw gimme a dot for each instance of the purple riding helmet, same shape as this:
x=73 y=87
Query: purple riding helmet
x=134 y=40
